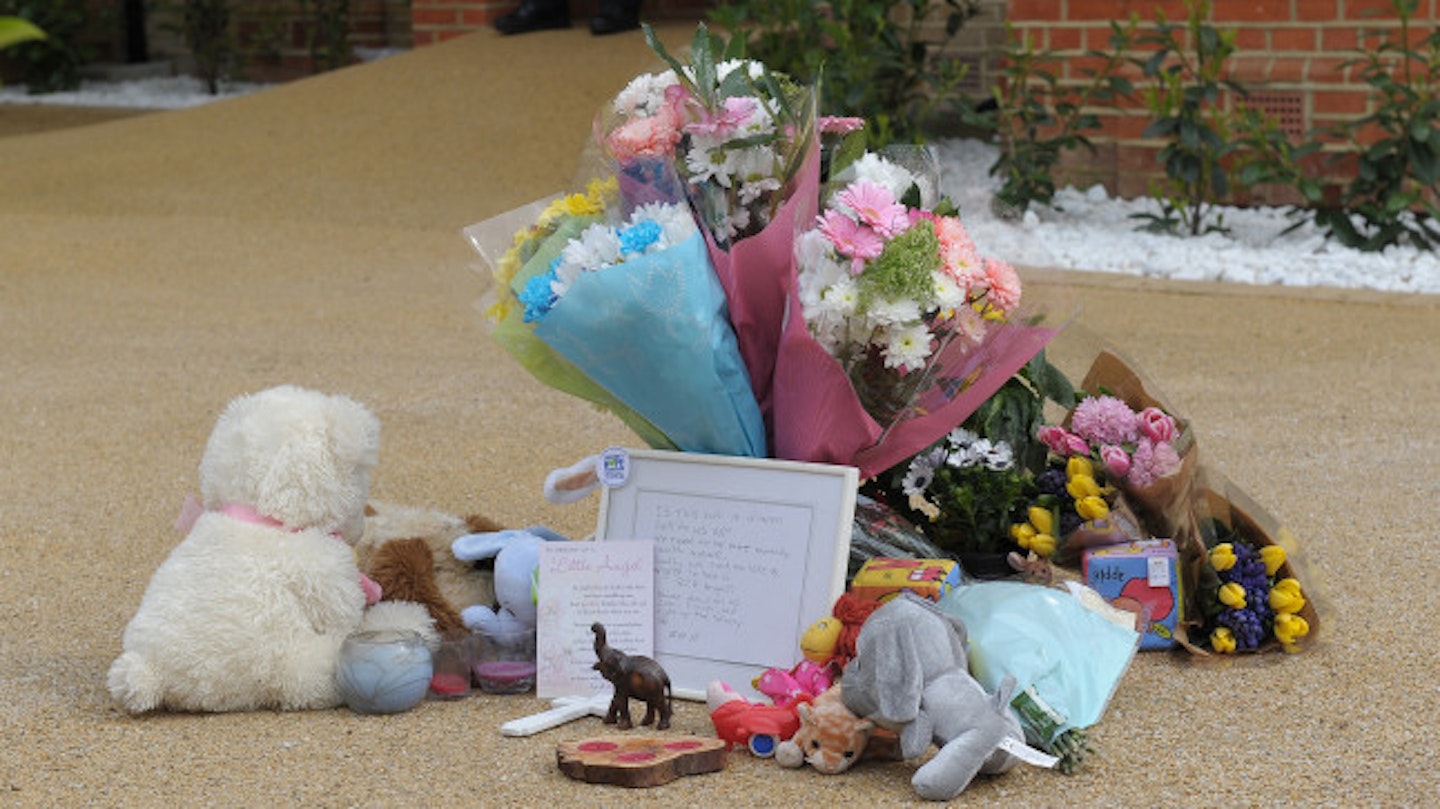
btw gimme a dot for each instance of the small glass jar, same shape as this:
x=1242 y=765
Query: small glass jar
x=384 y=671
x=505 y=659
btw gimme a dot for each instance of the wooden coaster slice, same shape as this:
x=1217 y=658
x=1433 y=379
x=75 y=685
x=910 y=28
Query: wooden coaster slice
x=639 y=761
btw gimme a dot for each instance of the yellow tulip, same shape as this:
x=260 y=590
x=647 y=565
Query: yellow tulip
x=1232 y=595
x=1285 y=596
x=1222 y=640
x=1273 y=556
x=1043 y=545
x=1082 y=486
x=1022 y=533
x=1290 y=628
x=1092 y=508
x=1222 y=556
x=1043 y=519
x=1079 y=466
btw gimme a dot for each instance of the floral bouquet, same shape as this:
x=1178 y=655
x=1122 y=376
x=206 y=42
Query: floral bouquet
x=897 y=329
x=1245 y=590
x=740 y=145
x=629 y=315
x=1128 y=464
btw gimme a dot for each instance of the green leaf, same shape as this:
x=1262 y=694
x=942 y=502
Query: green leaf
x=14 y=30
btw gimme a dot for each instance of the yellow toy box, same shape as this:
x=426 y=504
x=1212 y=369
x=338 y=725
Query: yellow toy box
x=881 y=578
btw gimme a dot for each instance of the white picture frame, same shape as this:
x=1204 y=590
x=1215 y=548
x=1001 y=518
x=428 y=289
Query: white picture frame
x=749 y=552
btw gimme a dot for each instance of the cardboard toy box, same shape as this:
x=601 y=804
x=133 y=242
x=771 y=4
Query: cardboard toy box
x=881 y=578
x=1139 y=575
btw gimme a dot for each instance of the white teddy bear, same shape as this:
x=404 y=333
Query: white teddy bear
x=249 y=611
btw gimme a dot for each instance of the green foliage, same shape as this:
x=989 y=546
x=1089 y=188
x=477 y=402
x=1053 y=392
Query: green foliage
x=878 y=58
x=205 y=27
x=1394 y=190
x=14 y=30
x=1187 y=70
x=51 y=64
x=1037 y=118
x=329 y=33
x=1016 y=411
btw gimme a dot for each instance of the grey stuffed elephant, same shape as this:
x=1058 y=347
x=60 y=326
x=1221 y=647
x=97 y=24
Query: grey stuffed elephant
x=911 y=674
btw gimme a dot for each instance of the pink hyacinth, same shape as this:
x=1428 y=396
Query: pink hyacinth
x=1152 y=462
x=1105 y=420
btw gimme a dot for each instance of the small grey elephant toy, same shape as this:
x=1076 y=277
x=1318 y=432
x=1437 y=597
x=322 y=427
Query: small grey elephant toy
x=911 y=674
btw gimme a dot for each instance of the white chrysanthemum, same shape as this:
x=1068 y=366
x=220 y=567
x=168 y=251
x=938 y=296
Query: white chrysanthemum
x=840 y=298
x=706 y=163
x=645 y=93
x=873 y=168
x=597 y=246
x=888 y=314
x=676 y=222
x=906 y=347
x=737 y=221
x=949 y=294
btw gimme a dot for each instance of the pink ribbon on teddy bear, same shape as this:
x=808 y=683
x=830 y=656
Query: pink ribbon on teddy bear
x=192 y=509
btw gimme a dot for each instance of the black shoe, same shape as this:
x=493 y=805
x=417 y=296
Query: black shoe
x=615 y=17
x=534 y=16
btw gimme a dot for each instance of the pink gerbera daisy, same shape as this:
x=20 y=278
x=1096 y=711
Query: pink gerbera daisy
x=875 y=206
x=851 y=238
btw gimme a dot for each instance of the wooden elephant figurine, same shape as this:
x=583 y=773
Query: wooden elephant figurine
x=633 y=676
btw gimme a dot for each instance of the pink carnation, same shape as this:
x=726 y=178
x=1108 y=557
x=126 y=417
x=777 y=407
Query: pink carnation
x=1151 y=462
x=957 y=251
x=1004 y=285
x=1105 y=420
x=653 y=136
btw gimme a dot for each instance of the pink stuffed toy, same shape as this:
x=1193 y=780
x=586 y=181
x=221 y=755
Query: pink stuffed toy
x=808 y=678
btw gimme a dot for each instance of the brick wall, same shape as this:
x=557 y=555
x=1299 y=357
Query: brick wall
x=1288 y=55
x=438 y=20
x=272 y=37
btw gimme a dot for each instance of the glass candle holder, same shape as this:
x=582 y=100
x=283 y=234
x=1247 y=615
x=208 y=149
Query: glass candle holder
x=453 y=662
x=505 y=659
x=383 y=671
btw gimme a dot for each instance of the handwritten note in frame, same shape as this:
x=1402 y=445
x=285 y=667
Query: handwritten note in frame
x=748 y=553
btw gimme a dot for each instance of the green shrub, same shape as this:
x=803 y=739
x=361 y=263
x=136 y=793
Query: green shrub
x=51 y=64
x=1036 y=118
x=329 y=34
x=874 y=59
x=1394 y=191
x=1187 y=73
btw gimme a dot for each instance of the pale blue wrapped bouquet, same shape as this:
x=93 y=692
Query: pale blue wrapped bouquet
x=637 y=307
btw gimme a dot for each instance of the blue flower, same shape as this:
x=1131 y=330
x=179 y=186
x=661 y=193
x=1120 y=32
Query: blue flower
x=538 y=295
x=638 y=237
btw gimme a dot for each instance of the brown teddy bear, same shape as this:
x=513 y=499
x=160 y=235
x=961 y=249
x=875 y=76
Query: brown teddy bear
x=407 y=552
